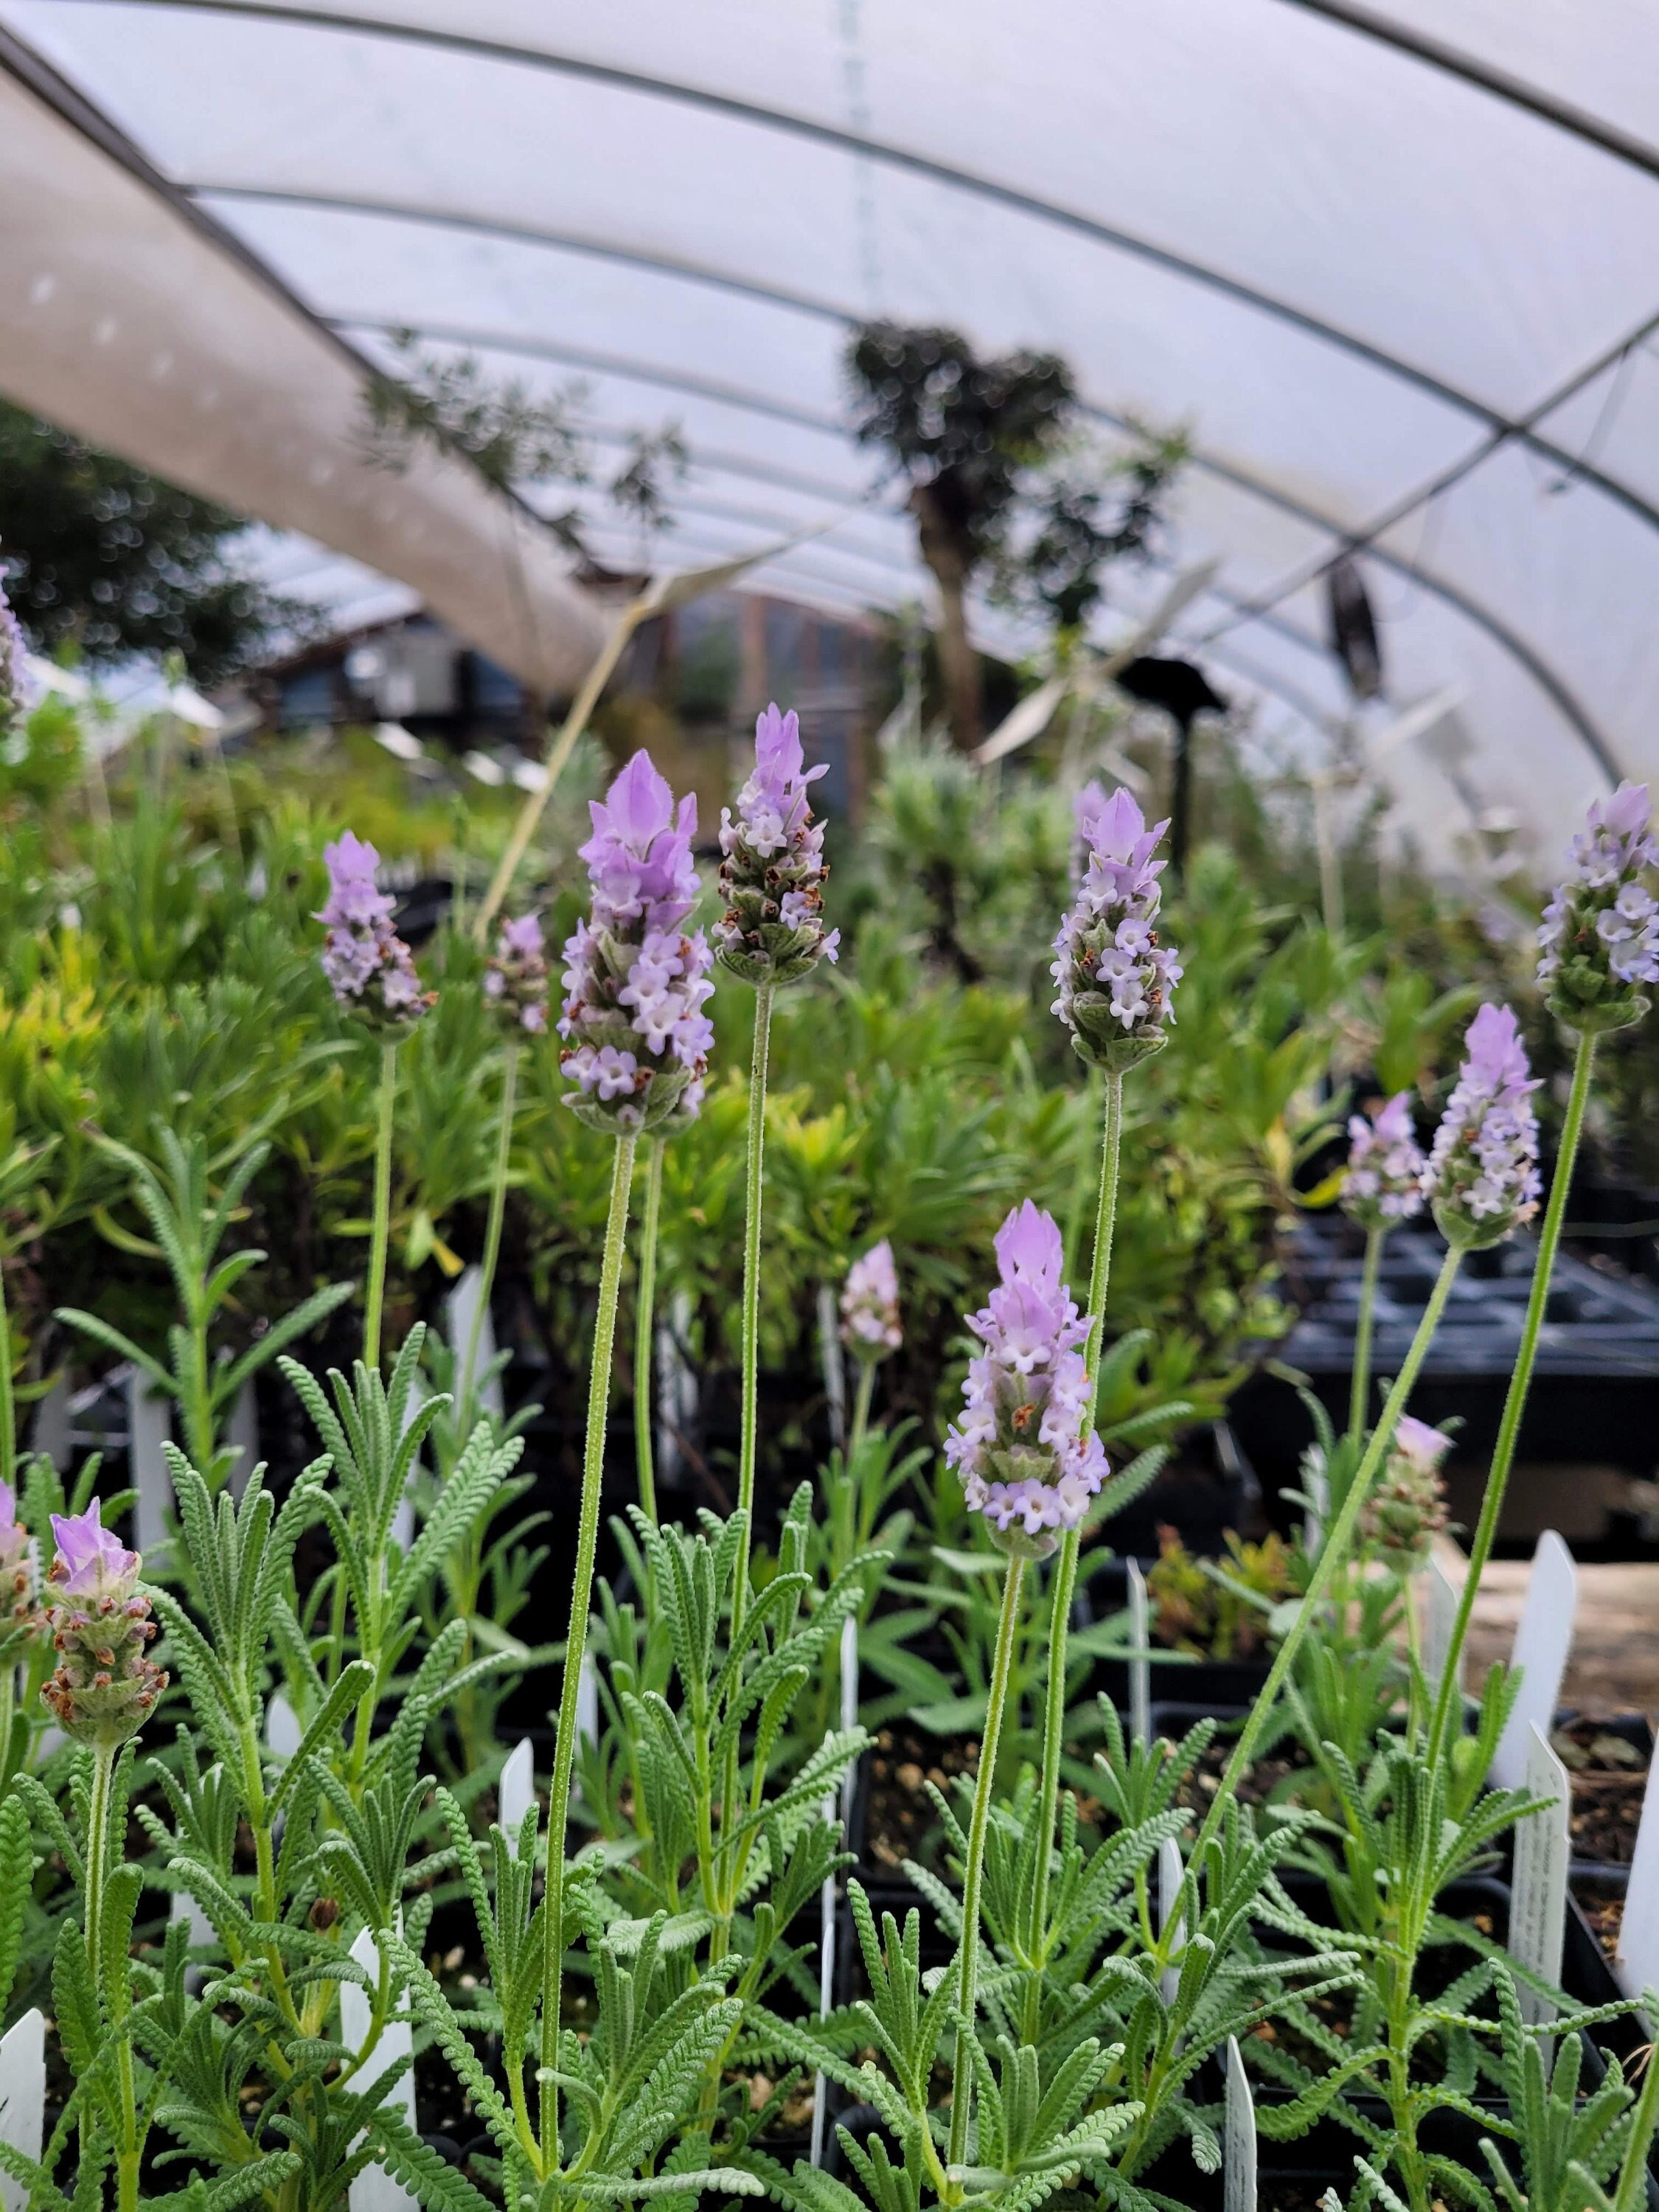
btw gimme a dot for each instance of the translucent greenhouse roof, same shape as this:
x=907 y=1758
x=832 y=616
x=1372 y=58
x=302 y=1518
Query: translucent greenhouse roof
x=1393 y=265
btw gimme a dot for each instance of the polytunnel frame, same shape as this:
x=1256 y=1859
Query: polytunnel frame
x=1502 y=429
x=1552 y=685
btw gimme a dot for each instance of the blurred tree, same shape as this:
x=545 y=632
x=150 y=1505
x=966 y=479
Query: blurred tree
x=1000 y=477
x=104 y=556
x=964 y=433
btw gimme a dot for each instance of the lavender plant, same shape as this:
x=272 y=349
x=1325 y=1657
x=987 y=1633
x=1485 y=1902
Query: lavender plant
x=771 y=933
x=371 y=972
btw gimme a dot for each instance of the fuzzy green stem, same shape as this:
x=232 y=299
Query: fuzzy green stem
x=492 y=1252
x=1447 y=1699
x=564 y=1746
x=1339 y=1538
x=7 y=1404
x=97 y=1853
x=644 y=1396
x=1065 y=1575
x=1360 y=1388
x=973 y=1874
x=381 y=1230
x=1100 y=1275
x=861 y=1397
x=751 y=1248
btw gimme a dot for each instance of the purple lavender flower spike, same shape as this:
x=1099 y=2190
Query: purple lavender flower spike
x=870 y=1305
x=1020 y=1447
x=773 y=868
x=1115 y=979
x=516 y=975
x=636 y=1038
x=104 y=1684
x=362 y=950
x=1482 y=1175
x=1384 y=1182
x=1598 y=940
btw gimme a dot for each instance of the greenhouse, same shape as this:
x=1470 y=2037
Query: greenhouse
x=829 y=1205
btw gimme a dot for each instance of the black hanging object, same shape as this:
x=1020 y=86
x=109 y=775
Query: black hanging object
x=1353 y=627
x=1184 y=694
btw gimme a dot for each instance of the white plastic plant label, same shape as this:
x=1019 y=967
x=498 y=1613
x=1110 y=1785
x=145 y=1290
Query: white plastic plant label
x=149 y=1427
x=461 y=1310
x=1168 y=1911
x=1543 y=1638
x=284 y=1734
x=375 y=2190
x=1317 y=1489
x=22 y=2098
x=1140 y=1667
x=1238 y=2153
x=516 y=1793
x=1538 y=1900
x=1441 y=1595
x=52 y=1421
x=1636 y=1963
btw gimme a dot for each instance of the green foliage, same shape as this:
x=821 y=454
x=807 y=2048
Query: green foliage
x=107 y=558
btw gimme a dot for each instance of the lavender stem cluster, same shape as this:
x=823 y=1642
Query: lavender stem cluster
x=1599 y=939
x=870 y=1305
x=1384 y=1184
x=516 y=976
x=772 y=868
x=369 y=968
x=1115 y=979
x=1482 y=1173
x=636 y=1037
x=1020 y=1447
x=105 y=1684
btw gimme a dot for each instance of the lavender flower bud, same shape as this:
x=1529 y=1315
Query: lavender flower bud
x=1384 y=1182
x=1116 y=980
x=870 y=1305
x=774 y=869
x=106 y=1683
x=1018 y=1447
x=369 y=966
x=515 y=977
x=1599 y=934
x=636 y=1038
x=1406 y=1510
x=1482 y=1175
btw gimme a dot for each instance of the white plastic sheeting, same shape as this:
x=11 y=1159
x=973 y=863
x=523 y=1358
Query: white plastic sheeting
x=1394 y=266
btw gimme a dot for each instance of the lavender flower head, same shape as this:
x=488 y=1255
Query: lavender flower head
x=1384 y=1182
x=636 y=1038
x=773 y=870
x=1018 y=1447
x=105 y=1684
x=1406 y=1510
x=1600 y=935
x=369 y=966
x=515 y=977
x=870 y=1305
x=1482 y=1175
x=15 y=1574
x=1116 y=980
